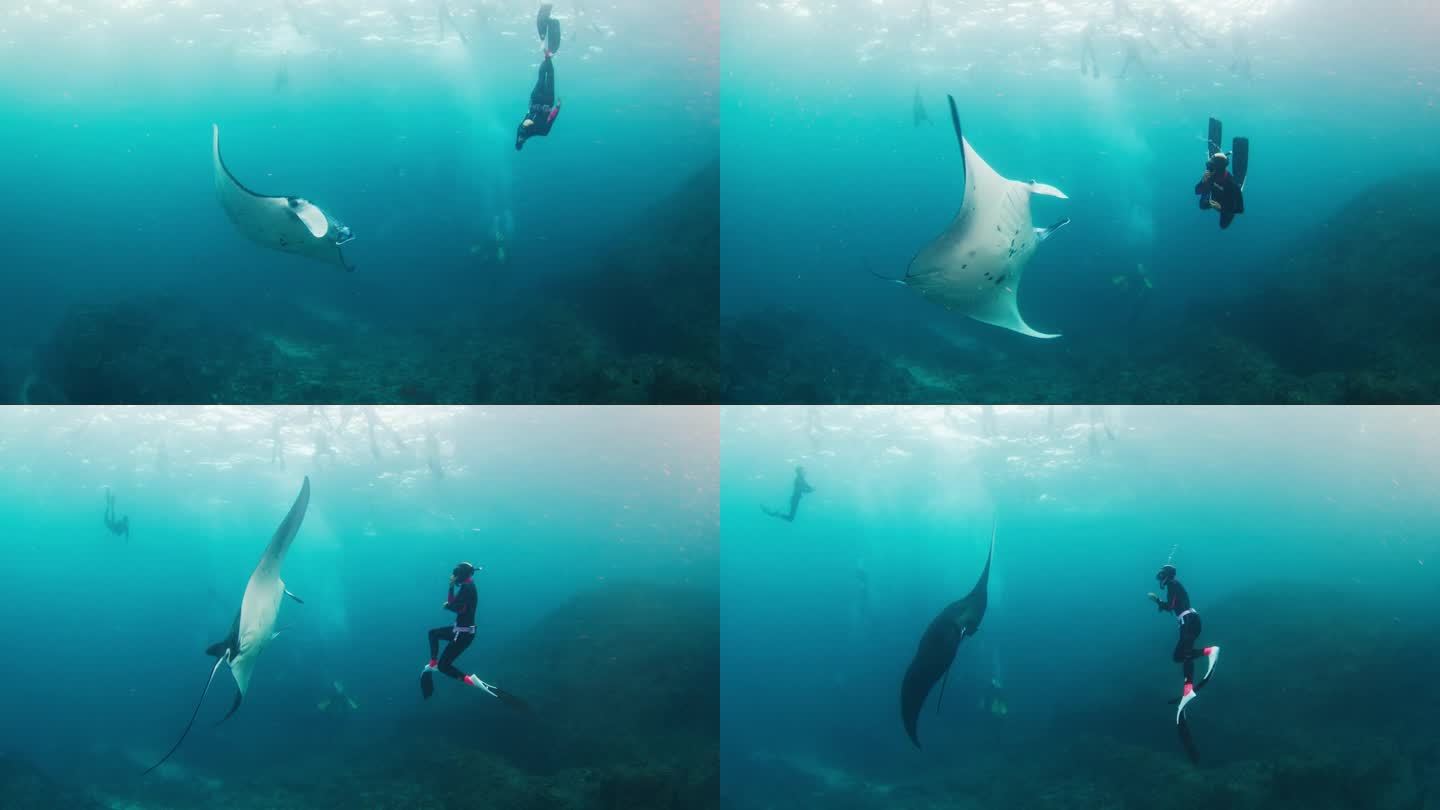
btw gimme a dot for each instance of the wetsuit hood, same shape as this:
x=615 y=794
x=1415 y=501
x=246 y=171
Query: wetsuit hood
x=463 y=572
x=1165 y=575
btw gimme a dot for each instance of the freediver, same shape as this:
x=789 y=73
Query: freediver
x=1132 y=57
x=543 y=105
x=462 y=599
x=1087 y=51
x=1137 y=288
x=1177 y=601
x=116 y=527
x=799 y=489
x=1220 y=190
x=1172 y=16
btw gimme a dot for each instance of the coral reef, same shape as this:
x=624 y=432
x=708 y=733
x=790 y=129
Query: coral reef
x=638 y=326
x=25 y=787
x=1323 y=703
x=623 y=687
x=1345 y=314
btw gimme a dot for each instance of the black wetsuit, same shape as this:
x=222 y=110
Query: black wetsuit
x=543 y=110
x=461 y=634
x=1177 y=601
x=1223 y=189
x=799 y=490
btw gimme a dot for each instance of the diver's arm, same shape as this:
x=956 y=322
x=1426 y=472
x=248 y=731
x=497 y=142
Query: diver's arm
x=1159 y=603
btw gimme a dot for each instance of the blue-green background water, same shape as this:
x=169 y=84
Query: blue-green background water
x=369 y=108
x=1285 y=524
x=104 y=639
x=825 y=174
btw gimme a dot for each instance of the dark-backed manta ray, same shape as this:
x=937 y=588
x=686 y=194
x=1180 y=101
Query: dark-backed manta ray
x=285 y=223
x=974 y=266
x=254 y=626
x=932 y=661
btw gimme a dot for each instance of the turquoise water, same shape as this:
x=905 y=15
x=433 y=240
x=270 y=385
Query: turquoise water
x=104 y=638
x=827 y=176
x=376 y=111
x=1305 y=537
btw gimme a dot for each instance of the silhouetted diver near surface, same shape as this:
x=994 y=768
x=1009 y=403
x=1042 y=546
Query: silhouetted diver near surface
x=117 y=527
x=798 y=490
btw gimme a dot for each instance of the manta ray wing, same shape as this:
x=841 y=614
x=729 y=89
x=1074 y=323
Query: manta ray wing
x=974 y=267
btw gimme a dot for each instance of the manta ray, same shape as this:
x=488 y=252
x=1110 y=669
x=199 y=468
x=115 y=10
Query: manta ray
x=974 y=266
x=285 y=223
x=254 y=626
x=958 y=621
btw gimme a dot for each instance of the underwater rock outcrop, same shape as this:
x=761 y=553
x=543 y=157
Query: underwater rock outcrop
x=639 y=325
x=1323 y=702
x=1344 y=313
x=25 y=787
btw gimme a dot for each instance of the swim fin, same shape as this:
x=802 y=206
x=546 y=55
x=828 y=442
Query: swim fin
x=1240 y=161
x=1189 y=743
x=1215 y=138
x=552 y=36
x=1212 y=653
x=542 y=19
x=427 y=683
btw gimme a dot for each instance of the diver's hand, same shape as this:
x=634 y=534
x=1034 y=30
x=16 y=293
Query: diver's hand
x=1215 y=205
x=1153 y=598
x=1205 y=178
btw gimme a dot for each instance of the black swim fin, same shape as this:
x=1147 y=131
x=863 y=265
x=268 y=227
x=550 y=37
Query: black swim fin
x=542 y=19
x=427 y=684
x=1188 y=742
x=1215 y=139
x=552 y=36
x=511 y=700
x=1240 y=161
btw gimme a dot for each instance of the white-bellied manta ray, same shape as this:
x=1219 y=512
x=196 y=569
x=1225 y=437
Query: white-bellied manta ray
x=285 y=223
x=933 y=658
x=974 y=266
x=254 y=626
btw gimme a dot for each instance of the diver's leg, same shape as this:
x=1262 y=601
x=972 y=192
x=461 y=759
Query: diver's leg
x=436 y=636
x=452 y=651
x=547 y=82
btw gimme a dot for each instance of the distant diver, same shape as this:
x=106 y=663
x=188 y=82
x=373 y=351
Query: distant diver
x=1173 y=17
x=462 y=601
x=1132 y=57
x=1088 y=65
x=337 y=702
x=544 y=107
x=446 y=19
x=917 y=110
x=1219 y=188
x=1177 y=601
x=800 y=488
x=935 y=654
x=119 y=527
x=1240 y=57
x=1137 y=288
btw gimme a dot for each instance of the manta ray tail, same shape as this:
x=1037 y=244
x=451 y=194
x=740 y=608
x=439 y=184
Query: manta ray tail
x=193 y=715
x=896 y=279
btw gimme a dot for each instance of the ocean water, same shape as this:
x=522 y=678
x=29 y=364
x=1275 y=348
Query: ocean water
x=1306 y=539
x=598 y=537
x=380 y=113
x=827 y=176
